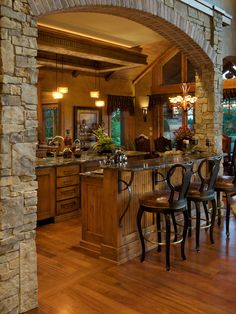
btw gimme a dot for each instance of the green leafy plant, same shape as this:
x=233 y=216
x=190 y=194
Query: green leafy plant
x=104 y=141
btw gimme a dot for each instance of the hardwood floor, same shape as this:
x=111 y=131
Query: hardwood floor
x=71 y=282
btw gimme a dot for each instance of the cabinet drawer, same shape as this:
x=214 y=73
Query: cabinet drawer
x=67 y=181
x=67 y=170
x=69 y=192
x=67 y=206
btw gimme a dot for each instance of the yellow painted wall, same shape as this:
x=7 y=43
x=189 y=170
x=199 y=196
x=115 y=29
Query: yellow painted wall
x=78 y=95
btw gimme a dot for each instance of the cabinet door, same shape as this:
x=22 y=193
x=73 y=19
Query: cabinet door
x=46 y=193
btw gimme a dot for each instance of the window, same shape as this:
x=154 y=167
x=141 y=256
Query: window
x=50 y=121
x=172 y=70
x=229 y=118
x=116 y=127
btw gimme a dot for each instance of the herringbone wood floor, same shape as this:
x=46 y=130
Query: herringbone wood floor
x=71 y=282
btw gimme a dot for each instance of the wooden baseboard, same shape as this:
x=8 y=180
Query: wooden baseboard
x=67 y=216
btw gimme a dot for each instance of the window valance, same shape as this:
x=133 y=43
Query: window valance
x=124 y=103
x=157 y=100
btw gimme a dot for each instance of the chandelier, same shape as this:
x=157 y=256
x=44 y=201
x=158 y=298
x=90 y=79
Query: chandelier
x=184 y=102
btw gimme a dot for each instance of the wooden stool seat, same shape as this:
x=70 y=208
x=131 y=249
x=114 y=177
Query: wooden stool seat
x=225 y=183
x=156 y=198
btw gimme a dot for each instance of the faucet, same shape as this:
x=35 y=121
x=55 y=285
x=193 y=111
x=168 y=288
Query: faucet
x=55 y=138
x=60 y=145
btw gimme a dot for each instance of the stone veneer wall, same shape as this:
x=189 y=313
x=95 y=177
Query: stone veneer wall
x=18 y=122
x=18 y=48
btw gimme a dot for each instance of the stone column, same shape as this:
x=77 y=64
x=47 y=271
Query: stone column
x=208 y=110
x=18 y=186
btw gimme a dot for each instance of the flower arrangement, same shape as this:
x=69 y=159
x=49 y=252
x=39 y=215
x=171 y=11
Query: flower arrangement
x=183 y=133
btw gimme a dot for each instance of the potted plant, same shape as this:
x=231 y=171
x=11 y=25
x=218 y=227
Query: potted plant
x=104 y=143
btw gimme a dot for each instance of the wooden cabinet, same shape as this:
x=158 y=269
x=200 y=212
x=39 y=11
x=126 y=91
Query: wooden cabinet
x=59 y=189
x=67 y=190
x=46 y=193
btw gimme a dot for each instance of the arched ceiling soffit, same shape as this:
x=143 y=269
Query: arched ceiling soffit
x=152 y=14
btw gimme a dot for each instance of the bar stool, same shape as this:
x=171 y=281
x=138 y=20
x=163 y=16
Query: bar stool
x=203 y=192
x=227 y=185
x=167 y=202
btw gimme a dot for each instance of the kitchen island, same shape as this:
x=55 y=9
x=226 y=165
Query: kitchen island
x=110 y=203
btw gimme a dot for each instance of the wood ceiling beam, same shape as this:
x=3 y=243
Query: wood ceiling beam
x=82 y=67
x=68 y=44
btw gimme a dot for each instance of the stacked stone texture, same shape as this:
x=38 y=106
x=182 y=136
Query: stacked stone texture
x=195 y=33
x=18 y=187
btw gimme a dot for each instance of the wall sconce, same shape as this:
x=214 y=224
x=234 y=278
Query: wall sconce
x=145 y=111
x=144 y=101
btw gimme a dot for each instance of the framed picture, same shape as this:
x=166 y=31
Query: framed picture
x=85 y=121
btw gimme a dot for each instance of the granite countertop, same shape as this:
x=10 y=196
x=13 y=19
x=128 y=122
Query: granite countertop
x=85 y=157
x=60 y=161
x=130 y=165
x=158 y=163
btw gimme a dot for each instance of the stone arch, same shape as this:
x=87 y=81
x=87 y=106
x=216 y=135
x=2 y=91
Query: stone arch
x=18 y=118
x=155 y=15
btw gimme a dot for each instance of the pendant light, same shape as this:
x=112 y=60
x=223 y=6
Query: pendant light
x=62 y=88
x=99 y=102
x=56 y=94
x=95 y=92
